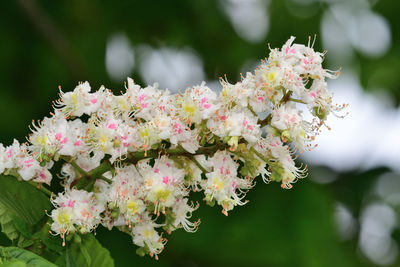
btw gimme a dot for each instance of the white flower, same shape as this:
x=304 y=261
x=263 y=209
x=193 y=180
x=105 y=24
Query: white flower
x=238 y=93
x=183 y=212
x=75 y=209
x=80 y=101
x=163 y=183
x=144 y=235
x=197 y=103
x=289 y=121
x=222 y=183
x=235 y=123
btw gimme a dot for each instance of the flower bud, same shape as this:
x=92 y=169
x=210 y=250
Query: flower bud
x=321 y=113
x=286 y=136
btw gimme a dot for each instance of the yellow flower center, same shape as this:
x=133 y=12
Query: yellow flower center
x=74 y=99
x=63 y=218
x=162 y=194
x=270 y=76
x=189 y=109
x=41 y=140
x=132 y=207
x=218 y=183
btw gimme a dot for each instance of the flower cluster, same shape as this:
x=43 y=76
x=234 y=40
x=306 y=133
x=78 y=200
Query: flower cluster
x=132 y=160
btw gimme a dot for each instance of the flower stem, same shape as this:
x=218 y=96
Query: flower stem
x=297 y=100
x=40 y=187
x=259 y=154
x=194 y=160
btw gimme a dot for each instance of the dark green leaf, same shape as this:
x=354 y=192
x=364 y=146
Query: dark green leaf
x=10 y=229
x=21 y=226
x=23 y=200
x=87 y=253
x=21 y=208
x=7 y=226
x=53 y=243
x=13 y=256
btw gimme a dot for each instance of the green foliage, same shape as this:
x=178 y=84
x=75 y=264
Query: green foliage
x=18 y=257
x=85 y=251
x=22 y=207
x=7 y=226
x=23 y=200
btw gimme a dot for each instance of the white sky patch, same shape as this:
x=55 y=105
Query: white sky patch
x=366 y=138
x=345 y=222
x=377 y=223
x=249 y=18
x=172 y=68
x=352 y=25
x=119 y=57
x=370 y=33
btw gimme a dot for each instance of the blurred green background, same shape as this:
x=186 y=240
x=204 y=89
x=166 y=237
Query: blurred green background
x=344 y=214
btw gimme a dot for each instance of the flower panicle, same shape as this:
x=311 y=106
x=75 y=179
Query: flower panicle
x=131 y=160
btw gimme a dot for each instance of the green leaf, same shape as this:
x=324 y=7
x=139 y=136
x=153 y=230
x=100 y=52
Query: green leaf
x=13 y=256
x=10 y=228
x=87 y=253
x=21 y=207
x=53 y=243
x=21 y=226
x=23 y=200
x=7 y=226
x=14 y=263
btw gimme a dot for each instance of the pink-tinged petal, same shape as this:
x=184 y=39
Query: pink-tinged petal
x=112 y=126
x=177 y=128
x=234 y=185
x=142 y=97
x=58 y=136
x=71 y=203
x=165 y=179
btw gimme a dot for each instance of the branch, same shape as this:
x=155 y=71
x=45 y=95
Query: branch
x=38 y=186
x=41 y=188
x=261 y=156
x=154 y=153
x=194 y=160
